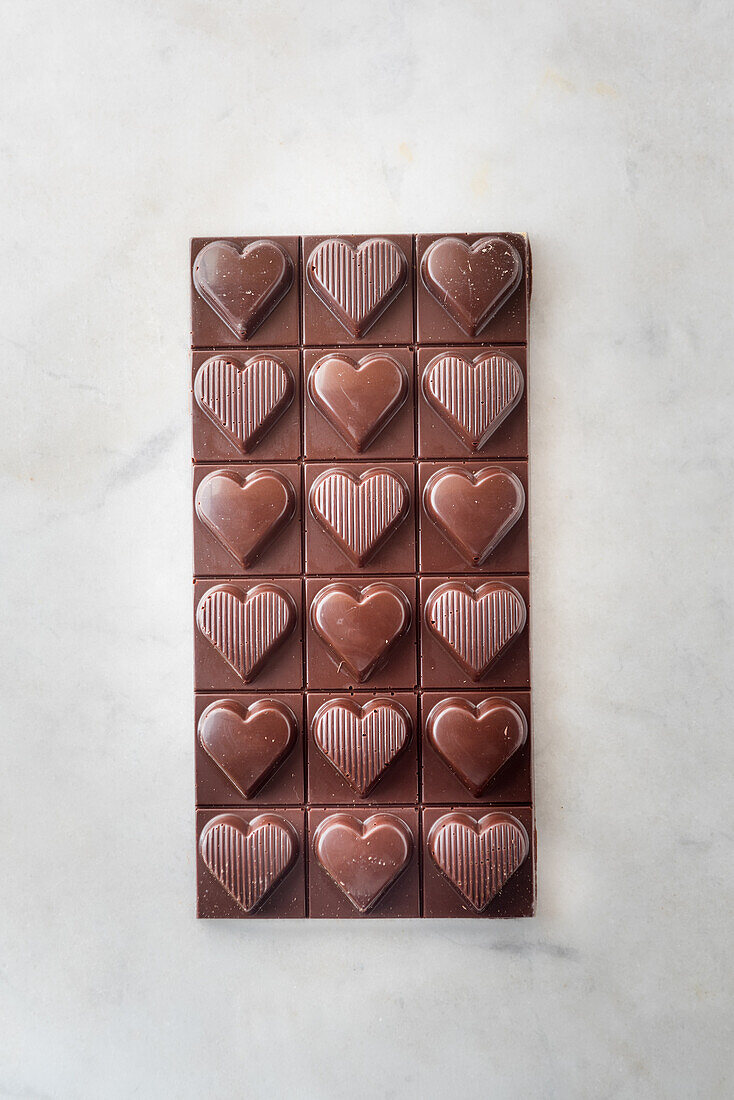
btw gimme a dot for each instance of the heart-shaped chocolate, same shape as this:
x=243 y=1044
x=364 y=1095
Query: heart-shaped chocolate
x=478 y=856
x=358 y=398
x=244 y=401
x=245 y=512
x=363 y=858
x=360 y=626
x=475 y=626
x=359 y=512
x=248 y=859
x=475 y=741
x=473 y=397
x=243 y=287
x=248 y=743
x=246 y=626
x=471 y=281
x=361 y=741
x=357 y=283
x=474 y=511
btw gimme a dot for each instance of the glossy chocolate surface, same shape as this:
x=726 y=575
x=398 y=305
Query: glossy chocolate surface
x=362 y=725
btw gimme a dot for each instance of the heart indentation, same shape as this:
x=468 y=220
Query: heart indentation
x=360 y=513
x=244 y=402
x=475 y=741
x=363 y=858
x=475 y=626
x=478 y=856
x=357 y=283
x=243 y=287
x=358 y=398
x=473 y=397
x=474 y=511
x=360 y=627
x=471 y=281
x=246 y=626
x=361 y=741
x=248 y=859
x=245 y=513
x=248 y=743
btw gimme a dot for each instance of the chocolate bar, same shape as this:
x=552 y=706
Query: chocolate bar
x=363 y=726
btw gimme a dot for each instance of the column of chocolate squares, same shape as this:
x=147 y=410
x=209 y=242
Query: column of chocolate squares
x=361 y=576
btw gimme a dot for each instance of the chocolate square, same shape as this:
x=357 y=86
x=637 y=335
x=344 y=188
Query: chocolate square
x=397 y=783
x=509 y=325
x=401 y=899
x=442 y=899
x=281 y=438
x=288 y=896
x=219 y=542
x=393 y=326
x=280 y=327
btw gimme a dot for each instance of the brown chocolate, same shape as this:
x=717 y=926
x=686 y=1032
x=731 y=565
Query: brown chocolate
x=243 y=286
x=360 y=625
x=361 y=594
x=363 y=858
x=358 y=398
x=248 y=743
x=476 y=740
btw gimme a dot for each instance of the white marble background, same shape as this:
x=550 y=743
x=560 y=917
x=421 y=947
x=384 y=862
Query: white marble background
x=600 y=128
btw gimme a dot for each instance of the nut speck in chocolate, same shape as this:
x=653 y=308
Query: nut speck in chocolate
x=363 y=727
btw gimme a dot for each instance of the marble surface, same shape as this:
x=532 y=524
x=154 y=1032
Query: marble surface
x=128 y=126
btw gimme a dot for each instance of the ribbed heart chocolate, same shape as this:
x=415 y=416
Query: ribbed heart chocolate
x=358 y=398
x=245 y=512
x=475 y=626
x=357 y=283
x=363 y=858
x=361 y=741
x=244 y=402
x=471 y=281
x=474 y=511
x=248 y=743
x=476 y=740
x=478 y=856
x=360 y=513
x=360 y=626
x=246 y=626
x=248 y=859
x=243 y=286
x=473 y=397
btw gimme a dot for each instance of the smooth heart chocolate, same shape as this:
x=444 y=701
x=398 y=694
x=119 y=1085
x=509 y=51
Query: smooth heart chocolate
x=358 y=398
x=244 y=402
x=245 y=512
x=357 y=283
x=475 y=626
x=363 y=858
x=478 y=856
x=474 y=511
x=360 y=513
x=243 y=287
x=246 y=626
x=475 y=741
x=248 y=743
x=360 y=626
x=248 y=859
x=361 y=741
x=471 y=282
x=473 y=397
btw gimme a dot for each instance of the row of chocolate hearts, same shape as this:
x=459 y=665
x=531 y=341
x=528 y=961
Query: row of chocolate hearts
x=358 y=398
x=474 y=511
x=475 y=625
x=357 y=283
x=363 y=858
x=249 y=743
